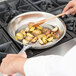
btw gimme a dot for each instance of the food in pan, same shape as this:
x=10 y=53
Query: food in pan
x=38 y=34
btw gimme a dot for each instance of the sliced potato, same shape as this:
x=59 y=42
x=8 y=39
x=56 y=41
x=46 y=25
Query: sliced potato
x=44 y=39
x=30 y=24
x=49 y=35
x=55 y=36
x=30 y=35
x=27 y=29
x=37 y=32
x=23 y=32
x=41 y=35
x=40 y=41
x=55 y=29
x=32 y=28
x=25 y=41
x=48 y=32
x=45 y=30
x=50 y=39
x=19 y=36
x=28 y=38
x=39 y=27
x=34 y=39
x=45 y=36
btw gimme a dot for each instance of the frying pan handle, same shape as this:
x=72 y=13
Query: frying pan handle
x=24 y=48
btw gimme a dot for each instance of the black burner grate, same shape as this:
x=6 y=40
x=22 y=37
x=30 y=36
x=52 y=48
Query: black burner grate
x=70 y=21
x=3 y=37
x=44 y=5
x=26 y=8
x=7 y=48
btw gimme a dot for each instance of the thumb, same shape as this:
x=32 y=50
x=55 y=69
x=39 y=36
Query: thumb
x=23 y=54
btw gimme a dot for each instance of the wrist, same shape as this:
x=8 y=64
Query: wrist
x=20 y=65
x=21 y=70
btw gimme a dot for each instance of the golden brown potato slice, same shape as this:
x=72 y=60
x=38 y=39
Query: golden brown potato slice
x=28 y=38
x=25 y=41
x=40 y=41
x=41 y=35
x=50 y=39
x=39 y=27
x=30 y=24
x=19 y=36
x=32 y=28
x=27 y=29
x=44 y=39
x=30 y=35
x=37 y=32
x=55 y=36
x=49 y=35
x=34 y=39
x=23 y=32
x=55 y=29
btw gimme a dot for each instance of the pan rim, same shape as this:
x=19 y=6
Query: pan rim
x=40 y=13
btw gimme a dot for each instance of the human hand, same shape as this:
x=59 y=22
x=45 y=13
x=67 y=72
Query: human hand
x=13 y=63
x=70 y=8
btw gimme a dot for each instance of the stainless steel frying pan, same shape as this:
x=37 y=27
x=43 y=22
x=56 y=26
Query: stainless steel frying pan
x=20 y=22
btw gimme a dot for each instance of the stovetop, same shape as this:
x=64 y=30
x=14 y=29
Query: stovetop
x=60 y=49
x=12 y=8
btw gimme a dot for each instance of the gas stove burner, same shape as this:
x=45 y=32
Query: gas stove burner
x=70 y=20
x=62 y=1
x=20 y=7
x=21 y=3
x=44 y=5
x=74 y=27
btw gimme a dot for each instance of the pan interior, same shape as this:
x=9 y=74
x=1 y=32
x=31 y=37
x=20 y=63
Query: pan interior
x=21 y=22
